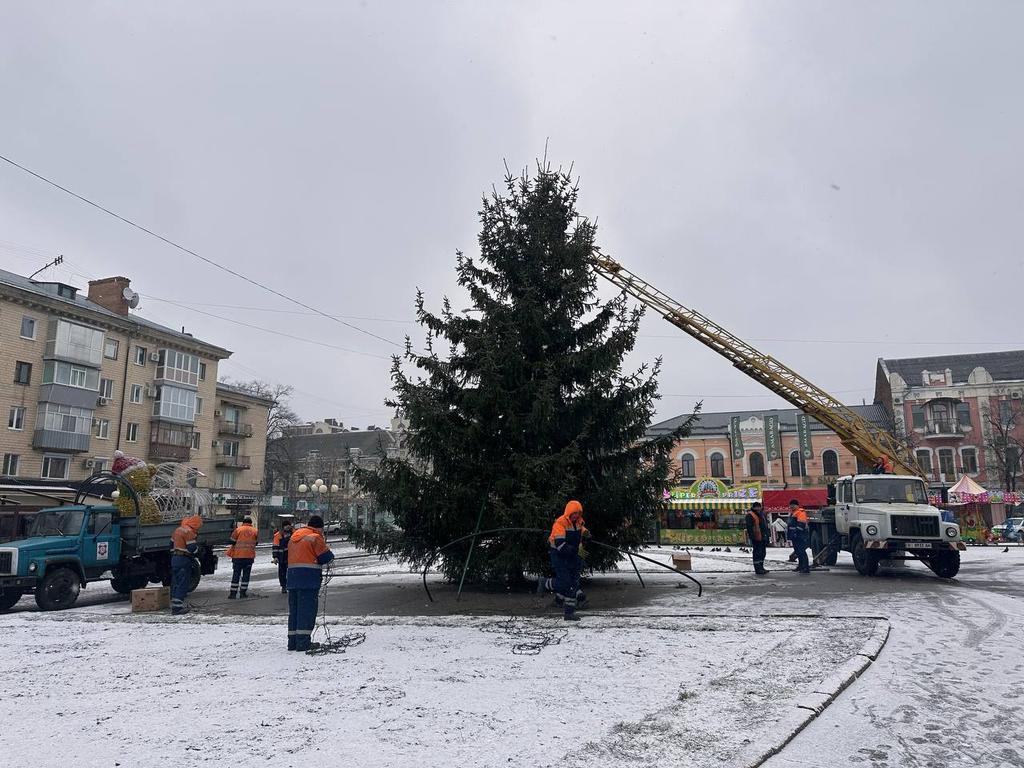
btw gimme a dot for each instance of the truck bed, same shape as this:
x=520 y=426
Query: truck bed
x=137 y=539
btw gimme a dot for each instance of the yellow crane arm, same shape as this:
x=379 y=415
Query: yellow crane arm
x=861 y=437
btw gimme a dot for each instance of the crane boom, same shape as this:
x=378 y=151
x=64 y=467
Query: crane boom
x=862 y=438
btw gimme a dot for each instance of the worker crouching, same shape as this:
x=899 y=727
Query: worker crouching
x=567 y=535
x=183 y=549
x=307 y=554
x=243 y=554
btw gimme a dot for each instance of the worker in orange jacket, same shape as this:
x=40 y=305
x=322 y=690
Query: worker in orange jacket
x=242 y=553
x=308 y=553
x=798 y=531
x=183 y=549
x=567 y=534
x=757 y=531
x=279 y=553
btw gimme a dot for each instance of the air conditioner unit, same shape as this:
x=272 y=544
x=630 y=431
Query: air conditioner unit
x=154 y=357
x=216 y=414
x=102 y=401
x=1016 y=395
x=89 y=463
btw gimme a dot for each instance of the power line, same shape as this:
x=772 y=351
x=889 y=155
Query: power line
x=189 y=251
x=193 y=304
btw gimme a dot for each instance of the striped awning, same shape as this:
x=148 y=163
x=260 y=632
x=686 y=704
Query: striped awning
x=738 y=505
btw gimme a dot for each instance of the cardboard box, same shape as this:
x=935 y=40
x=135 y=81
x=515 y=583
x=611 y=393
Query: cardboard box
x=150 y=599
x=682 y=562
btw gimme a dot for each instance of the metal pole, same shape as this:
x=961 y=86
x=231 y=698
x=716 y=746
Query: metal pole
x=631 y=562
x=472 y=544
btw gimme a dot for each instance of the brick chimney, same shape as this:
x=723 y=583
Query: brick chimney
x=109 y=293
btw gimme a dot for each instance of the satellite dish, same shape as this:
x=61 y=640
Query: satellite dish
x=131 y=297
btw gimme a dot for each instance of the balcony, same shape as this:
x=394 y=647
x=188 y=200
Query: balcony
x=233 y=462
x=55 y=440
x=168 y=452
x=942 y=428
x=227 y=427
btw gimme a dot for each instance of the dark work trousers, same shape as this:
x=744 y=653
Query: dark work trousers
x=282 y=571
x=241 y=567
x=567 y=579
x=181 y=573
x=800 y=548
x=301 y=617
x=760 y=552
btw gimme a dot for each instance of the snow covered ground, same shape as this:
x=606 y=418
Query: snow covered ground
x=623 y=691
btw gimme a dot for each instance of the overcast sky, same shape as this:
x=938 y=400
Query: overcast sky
x=832 y=181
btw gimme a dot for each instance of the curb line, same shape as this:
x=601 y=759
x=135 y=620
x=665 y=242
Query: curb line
x=813 y=704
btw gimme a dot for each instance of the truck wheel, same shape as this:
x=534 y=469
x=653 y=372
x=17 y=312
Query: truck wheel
x=945 y=564
x=59 y=590
x=865 y=561
x=197 y=574
x=816 y=543
x=832 y=557
x=124 y=586
x=9 y=598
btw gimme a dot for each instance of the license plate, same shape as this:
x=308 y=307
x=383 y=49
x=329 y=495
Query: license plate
x=919 y=544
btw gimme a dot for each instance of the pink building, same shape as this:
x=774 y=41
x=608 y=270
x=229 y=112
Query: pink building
x=962 y=414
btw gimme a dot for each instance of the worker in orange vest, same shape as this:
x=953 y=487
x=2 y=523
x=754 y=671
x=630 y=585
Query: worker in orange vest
x=883 y=466
x=242 y=553
x=566 y=537
x=308 y=553
x=183 y=550
x=757 y=531
x=798 y=531
x=280 y=554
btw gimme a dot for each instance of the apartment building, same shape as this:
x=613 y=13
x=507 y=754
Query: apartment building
x=240 y=444
x=84 y=376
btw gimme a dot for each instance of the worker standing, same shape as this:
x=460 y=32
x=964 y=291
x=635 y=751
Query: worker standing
x=757 y=532
x=280 y=554
x=567 y=534
x=798 y=532
x=243 y=554
x=307 y=554
x=183 y=550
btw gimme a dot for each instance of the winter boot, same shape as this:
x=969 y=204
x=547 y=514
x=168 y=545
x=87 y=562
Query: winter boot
x=760 y=570
x=243 y=593
x=232 y=595
x=179 y=611
x=581 y=599
x=570 y=611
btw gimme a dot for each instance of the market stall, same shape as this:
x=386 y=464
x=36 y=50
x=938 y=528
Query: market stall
x=975 y=509
x=707 y=512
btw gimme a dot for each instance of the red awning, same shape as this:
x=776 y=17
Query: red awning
x=778 y=501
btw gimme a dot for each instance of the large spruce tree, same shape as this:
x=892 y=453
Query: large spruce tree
x=521 y=403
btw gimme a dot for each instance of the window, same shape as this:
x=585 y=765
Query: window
x=796 y=464
x=917 y=416
x=99 y=464
x=963 y=414
x=22 y=373
x=717 y=465
x=101 y=429
x=179 y=367
x=830 y=463
x=175 y=403
x=107 y=388
x=199 y=406
x=131 y=432
x=845 y=492
x=227 y=479
x=70 y=375
x=202 y=371
x=99 y=522
x=688 y=465
x=136 y=395
x=66 y=418
x=1005 y=412
x=70 y=341
x=756 y=465
x=11 y=464
x=231 y=448
x=140 y=355
x=969 y=458
x=110 y=349
x=946 y=462
x=940 y=413
x=195 y=441
x=28 y=328
x=1012 y=458
x=16 y=418
x=55 y=467
x=924 y=458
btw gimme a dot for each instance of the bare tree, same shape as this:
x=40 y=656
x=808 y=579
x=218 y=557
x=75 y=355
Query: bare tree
x=280 y=414
x=1005 y=440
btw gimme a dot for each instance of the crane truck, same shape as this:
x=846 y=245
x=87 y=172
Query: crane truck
x=76 y=544
x=875 y=517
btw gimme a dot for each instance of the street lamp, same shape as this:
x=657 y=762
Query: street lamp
x=318 y=489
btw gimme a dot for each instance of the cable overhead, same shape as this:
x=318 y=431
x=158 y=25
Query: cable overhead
x=202 y=258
